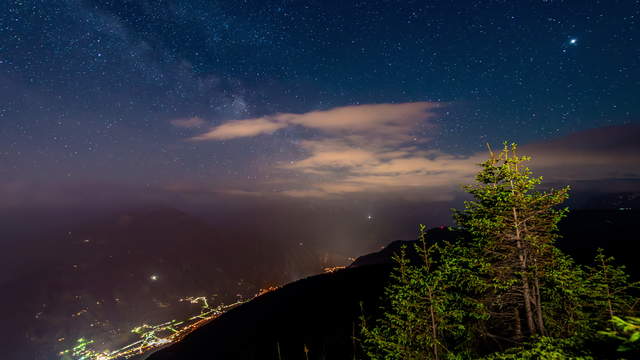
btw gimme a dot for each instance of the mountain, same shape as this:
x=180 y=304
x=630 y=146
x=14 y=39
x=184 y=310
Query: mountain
x=321 y=313
x=614 y=230
x=385 y=255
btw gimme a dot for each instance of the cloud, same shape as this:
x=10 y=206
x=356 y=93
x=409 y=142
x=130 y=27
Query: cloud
x=593 y=158
x=383 y=150
x=388 y=172
x=391 y=120
x=591 y=155
x=388 y=119
x=332 y=154
x=358 y=149
x=188 y=123
x=241 y=128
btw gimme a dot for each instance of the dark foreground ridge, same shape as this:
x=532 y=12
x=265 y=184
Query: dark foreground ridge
x=318 y=313
x=317 y=317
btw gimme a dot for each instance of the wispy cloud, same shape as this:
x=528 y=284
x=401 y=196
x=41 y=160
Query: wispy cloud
x=241 y=128
x=192 y=122
x=590 y=155
x=378 y=170
x=393 y=121
x=362 y=148
x=382 y=149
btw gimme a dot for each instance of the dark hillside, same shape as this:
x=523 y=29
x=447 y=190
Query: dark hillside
x=616 y=231
x=320 y=312
x=385 y=256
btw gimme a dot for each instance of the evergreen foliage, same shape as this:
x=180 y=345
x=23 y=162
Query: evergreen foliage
x=513 y=227
x=432 y=307
x=627 y=333
x=611 y=290
x=505 y=291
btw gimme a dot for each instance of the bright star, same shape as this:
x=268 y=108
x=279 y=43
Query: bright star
x=573 y=41
x=154 y=277
x=369 y=217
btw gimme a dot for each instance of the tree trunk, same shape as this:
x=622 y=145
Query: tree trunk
x=526 y=290
x=536 y=293
x=539 y=318
x=606 y=282
x=434 y=329
x=517 y=324
x=527 y=307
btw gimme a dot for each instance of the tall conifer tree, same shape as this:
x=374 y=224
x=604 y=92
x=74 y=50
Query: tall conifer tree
x=503 y=290
x=514 y=227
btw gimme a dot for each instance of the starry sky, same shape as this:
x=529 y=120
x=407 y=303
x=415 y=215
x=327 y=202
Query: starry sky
x=310 y=100
x=296 y=133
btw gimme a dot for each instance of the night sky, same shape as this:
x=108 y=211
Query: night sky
x=151 y=150
x=130 y=96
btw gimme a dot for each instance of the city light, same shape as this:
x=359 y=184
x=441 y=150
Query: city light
x=153 y=337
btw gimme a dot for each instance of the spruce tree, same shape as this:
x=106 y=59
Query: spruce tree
x=430 y=308
x=503 y=290
x=513 y=228
x=610 y=290
x=627 y=333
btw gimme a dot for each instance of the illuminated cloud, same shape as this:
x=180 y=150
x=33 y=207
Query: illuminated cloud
x=193 y=122
x=332 y=154
x=241 y=128
x=360 y=148
x=375 y=150
x=437 y=176
x=387 y=119
x=594 y=156
x=391 y=120
x=591 y=155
